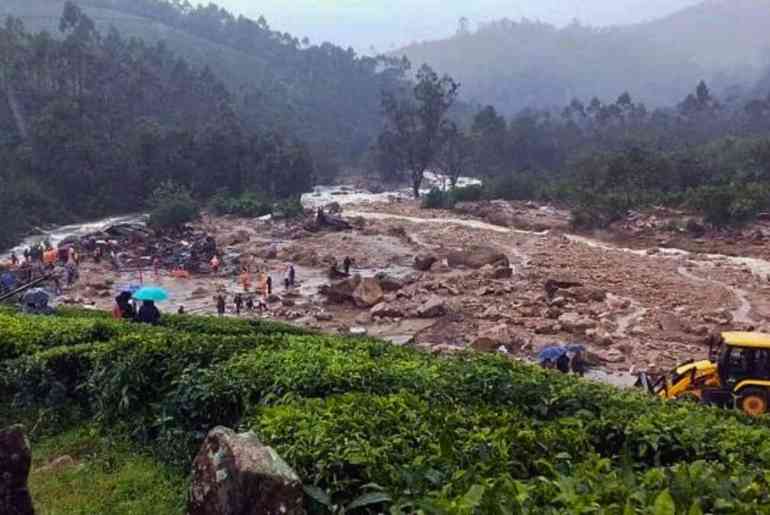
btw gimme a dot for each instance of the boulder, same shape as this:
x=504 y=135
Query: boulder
x=489 y=340
x=433 y=308
x=424 y=262
x=235 y=474
x=600 y=337
x=388 y=283
x=573 y=323
x=324 y=316
x=341 y=291
x=477 y=257
x=368 y=293
x=385 y=310
x=15 y=463
x=555 y=284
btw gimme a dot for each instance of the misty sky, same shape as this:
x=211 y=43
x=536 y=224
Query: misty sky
x=387 y=24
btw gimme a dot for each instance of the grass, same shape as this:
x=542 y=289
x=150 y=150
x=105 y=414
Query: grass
x=107 y=476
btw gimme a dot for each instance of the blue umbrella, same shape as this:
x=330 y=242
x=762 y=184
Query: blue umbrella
x=576 y=347
x=551 y=353
x=152 y=293
x=8 y=280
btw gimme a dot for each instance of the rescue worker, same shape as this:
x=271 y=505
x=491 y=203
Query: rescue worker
x=238 y=303
x=220 y=299
x=346 y=265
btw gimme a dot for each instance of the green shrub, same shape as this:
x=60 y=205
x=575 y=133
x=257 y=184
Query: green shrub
x=437 y=199
x=364 y=420
x=172 y=206
x=472 y=193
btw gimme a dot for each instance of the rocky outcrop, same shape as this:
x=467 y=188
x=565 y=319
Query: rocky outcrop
x=15 y=463
x=368 y=293
x=478 y=257
x=235 y=474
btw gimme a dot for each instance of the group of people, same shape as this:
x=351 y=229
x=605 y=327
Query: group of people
x=62 y=265
x=125 y=309
x=241 y=303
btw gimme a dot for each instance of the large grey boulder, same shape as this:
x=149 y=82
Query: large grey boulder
x=15 y=462
x=235 y=474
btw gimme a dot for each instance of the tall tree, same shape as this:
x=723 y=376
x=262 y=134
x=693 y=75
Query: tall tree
x=414 y=123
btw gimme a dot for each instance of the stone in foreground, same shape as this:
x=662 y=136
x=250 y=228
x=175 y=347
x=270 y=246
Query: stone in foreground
x=235 y=474
x=15 y=462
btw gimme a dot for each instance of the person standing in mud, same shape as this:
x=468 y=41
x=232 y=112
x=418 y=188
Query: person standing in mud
x=292 y=275
x=238 y=303
x=269 y=283
x=346 y=264
x=220 y=300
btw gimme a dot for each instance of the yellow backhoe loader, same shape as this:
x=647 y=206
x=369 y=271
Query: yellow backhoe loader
x=737 y=374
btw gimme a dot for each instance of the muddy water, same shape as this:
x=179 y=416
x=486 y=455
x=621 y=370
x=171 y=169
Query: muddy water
x=57 y=234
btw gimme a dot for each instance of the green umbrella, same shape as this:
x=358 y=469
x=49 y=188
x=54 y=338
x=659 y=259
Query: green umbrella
x=151 y=293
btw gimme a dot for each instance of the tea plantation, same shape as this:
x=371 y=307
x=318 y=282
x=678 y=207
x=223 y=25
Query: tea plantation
x=368 y=426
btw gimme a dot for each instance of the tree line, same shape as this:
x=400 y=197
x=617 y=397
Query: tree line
x=602 y=158
x=92 y=124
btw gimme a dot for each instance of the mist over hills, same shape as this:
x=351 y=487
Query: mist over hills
x=518 y=64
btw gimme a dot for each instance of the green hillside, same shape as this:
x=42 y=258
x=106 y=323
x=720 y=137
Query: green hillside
x=230 y=65
x=465 y=434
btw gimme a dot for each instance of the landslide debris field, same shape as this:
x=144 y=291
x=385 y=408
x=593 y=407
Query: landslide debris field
x=492 y=276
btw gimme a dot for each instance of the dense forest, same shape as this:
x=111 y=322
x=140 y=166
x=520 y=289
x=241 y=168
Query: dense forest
x=521 y=64
x=327 y=96
x=93 y=124
x=607 y=158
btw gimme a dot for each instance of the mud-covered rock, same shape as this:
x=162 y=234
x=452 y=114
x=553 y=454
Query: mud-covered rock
x=15 y=463
x=340 y=292
x=235 y=474
x=435 y=307
x=386 y=310
x=368 y=293
x=477 y=257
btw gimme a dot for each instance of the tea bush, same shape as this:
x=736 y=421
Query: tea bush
x=372 y=426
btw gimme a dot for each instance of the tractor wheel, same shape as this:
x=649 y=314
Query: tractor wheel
x=753 y=401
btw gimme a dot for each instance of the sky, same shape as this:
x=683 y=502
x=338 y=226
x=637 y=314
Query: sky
x=389 y=24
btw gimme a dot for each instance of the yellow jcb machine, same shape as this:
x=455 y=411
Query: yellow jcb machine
x=737 y=374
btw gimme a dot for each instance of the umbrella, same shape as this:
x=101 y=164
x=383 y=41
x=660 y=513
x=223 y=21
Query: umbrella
x=576 y=347
x=151 y=293
x=551 y=353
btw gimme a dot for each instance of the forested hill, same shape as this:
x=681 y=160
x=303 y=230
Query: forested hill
x=326 y=95
x=93 y=123
x=514 y=65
